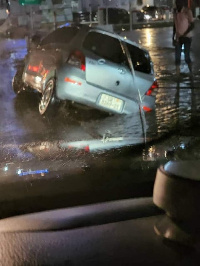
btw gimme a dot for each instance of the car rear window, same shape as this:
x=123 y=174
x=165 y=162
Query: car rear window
x=104 y=46
x=62 y=35
x=140 y=58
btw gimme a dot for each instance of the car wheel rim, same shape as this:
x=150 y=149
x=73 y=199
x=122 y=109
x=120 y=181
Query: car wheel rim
x=46 y=97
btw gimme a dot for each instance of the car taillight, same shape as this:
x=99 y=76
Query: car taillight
x=77 y=59
x=38 y=69
x=152 y=88
x=33 y=68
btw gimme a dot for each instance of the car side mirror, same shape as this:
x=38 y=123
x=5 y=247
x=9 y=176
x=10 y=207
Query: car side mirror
x=177 y=192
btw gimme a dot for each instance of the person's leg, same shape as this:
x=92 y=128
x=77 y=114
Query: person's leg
x=187 y=46
x=178 y=49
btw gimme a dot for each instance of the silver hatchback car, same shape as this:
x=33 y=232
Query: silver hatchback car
x=91 y=67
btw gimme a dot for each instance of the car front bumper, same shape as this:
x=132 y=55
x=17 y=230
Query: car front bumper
x=35 y=82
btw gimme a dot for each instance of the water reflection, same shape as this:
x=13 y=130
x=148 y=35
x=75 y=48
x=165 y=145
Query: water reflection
x=148 y=37
x=178 y=107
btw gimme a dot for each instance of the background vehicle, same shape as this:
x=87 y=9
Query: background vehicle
x=65 y=65
x=152 y=13
x=117 y=16
x=140 y=16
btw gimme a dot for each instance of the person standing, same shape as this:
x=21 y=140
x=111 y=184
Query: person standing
x=182 y=34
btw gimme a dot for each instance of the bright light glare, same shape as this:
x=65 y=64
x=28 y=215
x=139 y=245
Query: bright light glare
x=6 y=168
x=38 y=79
x=151 y=151
x=65 y=25
x=30 y=172
x=147 y=17
x=19 y=171
x=182 y=146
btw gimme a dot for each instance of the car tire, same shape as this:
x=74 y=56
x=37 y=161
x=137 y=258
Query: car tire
x=17 y=83
x=48 y=101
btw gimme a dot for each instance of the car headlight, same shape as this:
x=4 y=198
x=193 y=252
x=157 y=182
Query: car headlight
x=147 y=17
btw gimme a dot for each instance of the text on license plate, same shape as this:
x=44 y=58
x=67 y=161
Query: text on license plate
x=111 y=102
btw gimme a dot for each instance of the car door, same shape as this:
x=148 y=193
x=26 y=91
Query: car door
x=143 y=67
x=107 y=65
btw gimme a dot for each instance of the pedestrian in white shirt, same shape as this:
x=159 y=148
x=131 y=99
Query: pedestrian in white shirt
x=182 y=34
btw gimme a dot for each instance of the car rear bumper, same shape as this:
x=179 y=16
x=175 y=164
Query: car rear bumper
x=76 y=89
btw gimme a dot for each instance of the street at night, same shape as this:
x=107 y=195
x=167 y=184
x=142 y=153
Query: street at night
x=99 y=132
x=89 y=151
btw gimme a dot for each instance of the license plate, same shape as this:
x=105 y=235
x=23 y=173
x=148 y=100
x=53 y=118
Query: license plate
x=111 y=102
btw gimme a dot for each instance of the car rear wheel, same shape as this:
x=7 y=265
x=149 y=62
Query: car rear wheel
x=47 y=97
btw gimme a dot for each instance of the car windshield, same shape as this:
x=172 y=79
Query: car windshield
x=92 y=119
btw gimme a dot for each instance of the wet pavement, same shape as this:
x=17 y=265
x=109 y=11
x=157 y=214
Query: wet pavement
x=87 y=151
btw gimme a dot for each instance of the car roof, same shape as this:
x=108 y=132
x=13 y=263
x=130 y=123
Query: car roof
x=104 y=31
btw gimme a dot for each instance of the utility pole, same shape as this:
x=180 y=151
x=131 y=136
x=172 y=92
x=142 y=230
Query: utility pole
x=131 y=17
x=31 y=18
x=107 y=12
x=90 y=12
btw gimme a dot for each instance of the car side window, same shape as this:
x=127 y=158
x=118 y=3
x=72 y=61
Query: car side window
x=104 y=46
x=140 y=59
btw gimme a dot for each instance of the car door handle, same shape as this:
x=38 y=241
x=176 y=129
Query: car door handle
x=101 y=61
x=121 y=70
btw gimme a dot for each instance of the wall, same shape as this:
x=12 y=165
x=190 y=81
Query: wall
x=125 y=4
x=47 y=12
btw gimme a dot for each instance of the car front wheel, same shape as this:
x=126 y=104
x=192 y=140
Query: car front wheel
x=47 y=97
